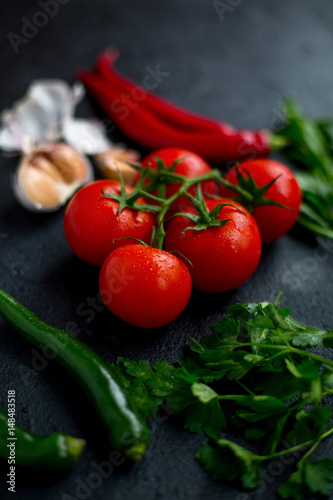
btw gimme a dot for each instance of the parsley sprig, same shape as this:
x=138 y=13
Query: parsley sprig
x=258 y=376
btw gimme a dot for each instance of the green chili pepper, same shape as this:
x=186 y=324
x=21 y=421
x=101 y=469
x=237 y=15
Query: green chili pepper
x=57 y=451
x=127 y=431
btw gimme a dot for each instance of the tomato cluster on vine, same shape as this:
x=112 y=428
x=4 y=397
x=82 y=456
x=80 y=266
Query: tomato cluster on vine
x=182 y=226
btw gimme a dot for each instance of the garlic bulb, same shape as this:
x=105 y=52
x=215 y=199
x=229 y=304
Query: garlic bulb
x=49 y=175
x=118 y=158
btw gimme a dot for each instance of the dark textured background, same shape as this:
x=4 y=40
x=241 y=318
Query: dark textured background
x=237 y=69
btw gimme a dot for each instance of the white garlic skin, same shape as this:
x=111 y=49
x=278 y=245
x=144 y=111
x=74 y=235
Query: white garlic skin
x=48 y=176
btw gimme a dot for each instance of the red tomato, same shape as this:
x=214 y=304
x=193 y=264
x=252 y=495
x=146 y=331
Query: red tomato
x=222 y=257
x=144 y=286
x=273 y=222
x=92 y=222
x=192 y=166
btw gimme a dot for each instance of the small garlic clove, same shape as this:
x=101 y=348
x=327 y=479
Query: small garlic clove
x=38 y=186
x=48 y=176
x=38 y=164
x=116 y=159
x=64 y=155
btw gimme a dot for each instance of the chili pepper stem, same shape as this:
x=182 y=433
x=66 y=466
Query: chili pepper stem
x=136 y=452
x=278 y=142
x=74 y=446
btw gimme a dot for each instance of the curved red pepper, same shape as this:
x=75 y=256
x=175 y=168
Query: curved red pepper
x=154 y=123
x=174 y=115
x=115 y=103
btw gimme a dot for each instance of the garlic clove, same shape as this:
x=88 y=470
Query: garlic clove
x=38 y=186
x=118 y=158
x=61 y=157
x=41 y=164
x=48 y=176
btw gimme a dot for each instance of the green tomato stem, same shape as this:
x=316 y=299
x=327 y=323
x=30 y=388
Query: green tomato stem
x=235 y=188
x=201 y=209
x=160 y=233
x=150 y=196
x=182 y=191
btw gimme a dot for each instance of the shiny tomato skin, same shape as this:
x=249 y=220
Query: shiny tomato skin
x=222 y=257
x=273 y=222
x=92 y=222
x=192 y=166
x=144 y=286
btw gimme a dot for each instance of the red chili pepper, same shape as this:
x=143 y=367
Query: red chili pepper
x=174 y=115
x=142 y=126
x=155 y=123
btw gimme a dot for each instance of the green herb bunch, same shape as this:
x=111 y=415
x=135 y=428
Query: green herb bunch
x=310 y=146
x=258 y=377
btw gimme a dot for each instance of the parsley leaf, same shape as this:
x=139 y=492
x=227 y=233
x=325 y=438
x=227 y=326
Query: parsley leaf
x=310 y=478
x=269 y=416
x=206 y=416
x=318 y=476
x=308 y=426
x=203 y=410
x=204 y=373
x=294 y=487
x=226 y=460
x=135 y=377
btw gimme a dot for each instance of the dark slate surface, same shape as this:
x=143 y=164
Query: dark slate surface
x=235 y=66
